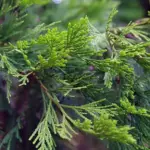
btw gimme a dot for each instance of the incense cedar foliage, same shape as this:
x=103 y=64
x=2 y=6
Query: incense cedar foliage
x=110 y=102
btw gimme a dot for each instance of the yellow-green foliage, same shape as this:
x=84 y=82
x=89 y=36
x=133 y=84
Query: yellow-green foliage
x=106 y=128
x=58 y=45
x=129 y=108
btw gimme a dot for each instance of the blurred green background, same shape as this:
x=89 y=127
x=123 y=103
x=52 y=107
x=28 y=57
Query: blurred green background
x=96 y=10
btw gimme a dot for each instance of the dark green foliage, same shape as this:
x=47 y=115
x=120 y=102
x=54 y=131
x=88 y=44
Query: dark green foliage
x=115 y=98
